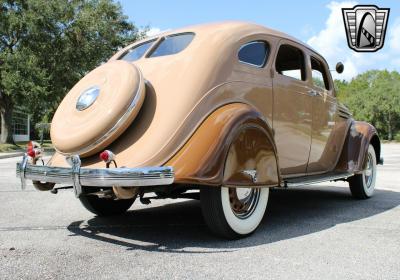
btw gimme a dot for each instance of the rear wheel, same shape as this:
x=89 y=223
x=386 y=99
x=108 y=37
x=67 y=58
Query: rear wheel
x=233 y=212
x=362 y=186
x=105 y=206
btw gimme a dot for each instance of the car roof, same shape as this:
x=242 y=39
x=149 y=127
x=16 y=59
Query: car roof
x=231 y=28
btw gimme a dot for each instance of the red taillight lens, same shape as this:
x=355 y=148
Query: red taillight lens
x=29 y=146
x=105 y=156
x=31 y=152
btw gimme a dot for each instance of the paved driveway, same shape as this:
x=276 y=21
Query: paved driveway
x=315 y=232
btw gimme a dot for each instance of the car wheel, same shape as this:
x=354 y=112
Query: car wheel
x=362 y=185
x=233 y=212
x=105 y=206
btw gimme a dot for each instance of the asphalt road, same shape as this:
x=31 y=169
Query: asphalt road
x=315 y=232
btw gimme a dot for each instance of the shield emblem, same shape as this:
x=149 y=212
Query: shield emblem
x=365 y=27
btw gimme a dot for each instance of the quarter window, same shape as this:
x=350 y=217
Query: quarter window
x=254 y=53
x=290 y=62
x=319 y=76
x=173 y=44
x=136 y=52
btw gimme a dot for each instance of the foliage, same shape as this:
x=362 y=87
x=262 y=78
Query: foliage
x=374 y=96
x=47 y=46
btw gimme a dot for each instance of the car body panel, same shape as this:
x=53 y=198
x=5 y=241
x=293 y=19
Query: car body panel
x=242 y=131
x=187 y=91
x=358 y=138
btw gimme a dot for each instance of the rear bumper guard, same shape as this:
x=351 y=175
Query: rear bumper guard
x=104 y=177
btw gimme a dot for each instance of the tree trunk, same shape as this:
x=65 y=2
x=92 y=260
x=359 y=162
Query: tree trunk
x=390 y=130
x=6 y=109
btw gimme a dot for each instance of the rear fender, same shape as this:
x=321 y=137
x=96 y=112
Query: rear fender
x=234 y=146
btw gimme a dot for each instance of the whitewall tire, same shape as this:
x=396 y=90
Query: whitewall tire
x=233 y=212
x=362 y=186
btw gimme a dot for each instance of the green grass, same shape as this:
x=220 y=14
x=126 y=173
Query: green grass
x=21 y=146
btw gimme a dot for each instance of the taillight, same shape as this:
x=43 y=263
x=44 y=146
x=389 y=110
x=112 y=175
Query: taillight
x=107 y=156
x=33 y=150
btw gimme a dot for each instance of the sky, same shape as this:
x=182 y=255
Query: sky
x=318 y=23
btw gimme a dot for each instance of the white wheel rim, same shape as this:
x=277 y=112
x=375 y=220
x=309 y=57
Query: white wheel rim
x=244 y=220
x=369 y=173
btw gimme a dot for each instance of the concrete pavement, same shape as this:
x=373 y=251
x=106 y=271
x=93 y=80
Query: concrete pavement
x=314 y=232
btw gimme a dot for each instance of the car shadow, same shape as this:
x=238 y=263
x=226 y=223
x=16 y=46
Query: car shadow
x=179 y=227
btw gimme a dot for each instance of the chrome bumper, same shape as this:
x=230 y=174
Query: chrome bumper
x=105 y=177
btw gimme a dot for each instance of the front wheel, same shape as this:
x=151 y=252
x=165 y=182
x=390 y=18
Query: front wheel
x=362 y=186
x=233 y=212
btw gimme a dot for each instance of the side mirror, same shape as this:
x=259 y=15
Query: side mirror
x=339 y=67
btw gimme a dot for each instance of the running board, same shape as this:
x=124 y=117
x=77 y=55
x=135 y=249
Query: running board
x=315 y=179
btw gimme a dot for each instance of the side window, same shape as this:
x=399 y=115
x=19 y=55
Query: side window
x=290 y=62
x=173 y=44
x=319 y=75
x=254 y=53
x=136 y=52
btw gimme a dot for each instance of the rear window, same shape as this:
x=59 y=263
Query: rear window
x=136 y=52
x=172 y=44
x=254 y=53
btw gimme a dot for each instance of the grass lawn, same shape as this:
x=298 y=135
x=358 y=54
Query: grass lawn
x=21 y=146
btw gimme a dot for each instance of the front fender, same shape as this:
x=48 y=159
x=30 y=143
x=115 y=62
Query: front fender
x=358 y=138
x=233 y=139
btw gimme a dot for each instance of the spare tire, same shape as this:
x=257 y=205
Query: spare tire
x=98 y=109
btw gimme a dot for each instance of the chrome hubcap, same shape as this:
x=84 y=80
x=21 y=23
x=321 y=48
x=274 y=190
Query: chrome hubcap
x=243 y=201
x=369 y=171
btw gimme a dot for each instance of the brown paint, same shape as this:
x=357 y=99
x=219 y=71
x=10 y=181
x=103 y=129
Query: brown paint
x=187 y=119
x=355 y=148
x=239 y=129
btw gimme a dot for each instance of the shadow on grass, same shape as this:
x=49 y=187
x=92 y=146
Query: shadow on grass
x=179 y=227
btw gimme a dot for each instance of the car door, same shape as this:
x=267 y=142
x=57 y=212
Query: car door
x=327 y=131
x=292 y=109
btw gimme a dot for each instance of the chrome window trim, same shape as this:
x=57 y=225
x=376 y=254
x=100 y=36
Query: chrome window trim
x=251 y=43
x=106 y=136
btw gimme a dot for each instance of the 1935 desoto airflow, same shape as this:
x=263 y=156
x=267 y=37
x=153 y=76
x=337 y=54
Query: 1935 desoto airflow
x=229 y=109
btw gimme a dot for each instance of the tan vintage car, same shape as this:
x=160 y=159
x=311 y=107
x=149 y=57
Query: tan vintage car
x=222 y=112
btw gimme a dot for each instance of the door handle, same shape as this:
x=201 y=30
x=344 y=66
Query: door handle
x=314 y=93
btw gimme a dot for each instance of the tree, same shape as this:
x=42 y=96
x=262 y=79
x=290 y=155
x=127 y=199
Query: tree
x=374 y=96
x=47 y=46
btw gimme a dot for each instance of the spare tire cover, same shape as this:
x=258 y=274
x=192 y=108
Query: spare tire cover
x=98 y=109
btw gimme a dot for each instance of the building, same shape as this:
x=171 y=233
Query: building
x=21 y=126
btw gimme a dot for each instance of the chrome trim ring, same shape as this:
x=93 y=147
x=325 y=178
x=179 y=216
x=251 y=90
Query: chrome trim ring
x=243 y=201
